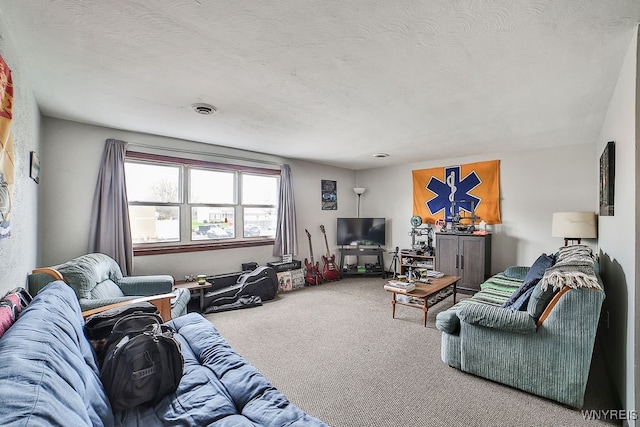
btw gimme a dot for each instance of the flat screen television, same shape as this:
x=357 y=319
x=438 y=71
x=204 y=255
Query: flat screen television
x=361 y=231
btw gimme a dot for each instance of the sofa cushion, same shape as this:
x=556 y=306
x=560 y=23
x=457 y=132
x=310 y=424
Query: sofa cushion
x=48 y=374
x=535 y=273
x=106 y=289
x=497 y=318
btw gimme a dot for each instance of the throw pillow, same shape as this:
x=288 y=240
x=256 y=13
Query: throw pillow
x=522 y=302
x=539 y=300
x=517 y=272
x=8 y=313
x=532 y=278
x=538 y=268
x=11 y=306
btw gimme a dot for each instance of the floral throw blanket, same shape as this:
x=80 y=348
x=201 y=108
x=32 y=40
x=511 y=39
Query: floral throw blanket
x=574 y=267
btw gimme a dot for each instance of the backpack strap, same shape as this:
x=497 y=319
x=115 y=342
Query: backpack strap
x=166 y=383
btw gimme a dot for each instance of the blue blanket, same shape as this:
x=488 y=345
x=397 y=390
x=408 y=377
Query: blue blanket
x=48 y=376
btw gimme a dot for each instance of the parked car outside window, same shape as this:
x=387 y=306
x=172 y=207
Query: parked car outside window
x=217 y=232
x=251 y=230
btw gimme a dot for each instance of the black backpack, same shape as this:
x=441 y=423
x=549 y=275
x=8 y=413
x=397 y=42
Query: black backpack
x=98 y=327
x=142 y=362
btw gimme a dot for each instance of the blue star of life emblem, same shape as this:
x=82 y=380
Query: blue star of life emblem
x=453 y=189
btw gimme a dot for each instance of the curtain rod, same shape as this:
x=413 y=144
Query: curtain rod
x=224 y=156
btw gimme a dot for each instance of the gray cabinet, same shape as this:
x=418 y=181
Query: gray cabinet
x=464 y=255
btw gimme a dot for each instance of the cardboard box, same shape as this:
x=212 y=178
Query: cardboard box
x=290 y=280
x=285 y=282
x=297 y=278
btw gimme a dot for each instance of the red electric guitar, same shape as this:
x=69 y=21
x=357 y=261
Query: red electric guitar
x=329 y=268
x=312 y=277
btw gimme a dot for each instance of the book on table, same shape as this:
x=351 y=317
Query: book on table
x=399 y=286
x=435 y=274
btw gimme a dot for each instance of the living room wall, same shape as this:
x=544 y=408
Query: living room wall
x=18 y=250
x=70 y=163
x=618 y=234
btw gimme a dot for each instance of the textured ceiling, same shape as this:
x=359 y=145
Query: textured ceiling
x=330 y=81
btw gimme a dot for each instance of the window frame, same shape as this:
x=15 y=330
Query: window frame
x=185 y=207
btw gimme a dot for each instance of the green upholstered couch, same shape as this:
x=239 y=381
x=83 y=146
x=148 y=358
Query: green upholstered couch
x=98 y=281
x=545 y=349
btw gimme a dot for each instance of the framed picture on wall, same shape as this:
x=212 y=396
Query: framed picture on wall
x=607 y=179
x=34 y=167
x=329 y=195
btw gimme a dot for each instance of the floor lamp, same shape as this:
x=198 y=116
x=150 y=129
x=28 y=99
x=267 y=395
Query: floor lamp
x=359 y=191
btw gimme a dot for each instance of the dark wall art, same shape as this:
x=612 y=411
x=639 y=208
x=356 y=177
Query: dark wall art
x=329 y=195
x=607 y=179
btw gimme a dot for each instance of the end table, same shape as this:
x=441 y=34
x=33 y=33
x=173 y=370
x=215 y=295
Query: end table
x=196 y=289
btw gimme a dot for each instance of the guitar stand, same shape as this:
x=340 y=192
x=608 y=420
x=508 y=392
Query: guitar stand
x=394 y=263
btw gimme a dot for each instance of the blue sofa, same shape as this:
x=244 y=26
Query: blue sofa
x=541 y=340
x=48 y=376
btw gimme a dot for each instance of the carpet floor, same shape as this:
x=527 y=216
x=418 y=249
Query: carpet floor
x=335 y=352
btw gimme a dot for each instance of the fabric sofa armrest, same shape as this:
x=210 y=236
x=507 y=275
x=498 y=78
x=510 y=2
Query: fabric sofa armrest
x=497 y=318
x=41 y=277
x=448 y=321
x=146 y=285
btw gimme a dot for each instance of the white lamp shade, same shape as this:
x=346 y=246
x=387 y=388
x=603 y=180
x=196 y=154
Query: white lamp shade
x=579 y=225
x=359 y=190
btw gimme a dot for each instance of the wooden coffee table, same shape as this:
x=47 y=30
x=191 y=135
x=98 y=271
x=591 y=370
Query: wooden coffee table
x=422 y=291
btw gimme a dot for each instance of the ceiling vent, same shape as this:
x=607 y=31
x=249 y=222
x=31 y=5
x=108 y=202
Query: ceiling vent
x=204 y=109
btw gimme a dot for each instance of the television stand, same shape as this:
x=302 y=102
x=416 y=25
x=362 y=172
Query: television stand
x=357 y=252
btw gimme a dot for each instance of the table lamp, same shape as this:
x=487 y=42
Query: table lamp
x=574 y=226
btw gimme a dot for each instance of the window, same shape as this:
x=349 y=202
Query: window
x=259 y=198
x=181 y=202
x=154 y=202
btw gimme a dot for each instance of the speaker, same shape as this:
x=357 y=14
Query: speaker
x=249 y=266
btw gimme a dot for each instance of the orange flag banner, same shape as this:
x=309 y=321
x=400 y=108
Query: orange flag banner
x=440 y=193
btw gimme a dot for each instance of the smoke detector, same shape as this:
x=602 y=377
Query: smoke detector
x=204 y=109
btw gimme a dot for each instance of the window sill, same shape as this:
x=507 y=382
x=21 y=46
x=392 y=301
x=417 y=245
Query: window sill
x=197 y=247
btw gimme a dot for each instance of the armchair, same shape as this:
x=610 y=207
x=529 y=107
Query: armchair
x=97 y=281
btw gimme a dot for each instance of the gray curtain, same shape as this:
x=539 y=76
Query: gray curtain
x=286 y=239
x=110 y=231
